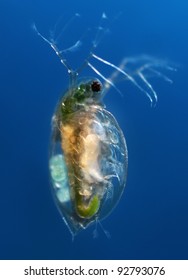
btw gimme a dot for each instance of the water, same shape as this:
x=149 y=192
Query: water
x=150 y=221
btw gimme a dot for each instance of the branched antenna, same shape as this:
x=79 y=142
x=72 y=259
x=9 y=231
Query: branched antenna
x=55 y=48
x=143 y=67
x=136 y=70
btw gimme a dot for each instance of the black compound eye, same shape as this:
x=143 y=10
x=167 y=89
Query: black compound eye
x=96 y=86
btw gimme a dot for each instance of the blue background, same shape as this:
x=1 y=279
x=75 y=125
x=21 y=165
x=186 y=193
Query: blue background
x=151 y=220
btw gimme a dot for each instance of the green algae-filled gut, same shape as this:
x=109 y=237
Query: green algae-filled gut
x=88 y=156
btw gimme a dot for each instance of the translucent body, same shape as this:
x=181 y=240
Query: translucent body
x=88 y=156
x=88 y=160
